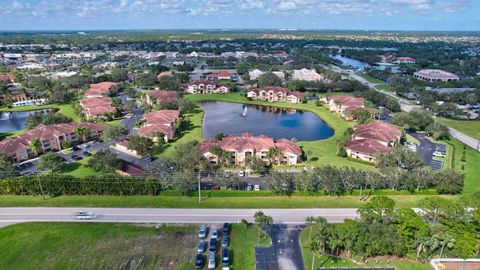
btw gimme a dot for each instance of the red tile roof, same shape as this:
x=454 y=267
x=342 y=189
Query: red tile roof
x=99 y=89
x=163 y=96
x=248 y=141
x=7 y=78
x=367 y=146
x=379 y=131
x=348 y=101
x=10 y=146
x=164 y=74
x=220 y=74
x=162 y=117
x=45 y=132
x=97 y=105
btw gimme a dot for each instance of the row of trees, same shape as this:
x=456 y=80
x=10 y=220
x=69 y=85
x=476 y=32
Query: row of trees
x=442 y=228
x=421 y=120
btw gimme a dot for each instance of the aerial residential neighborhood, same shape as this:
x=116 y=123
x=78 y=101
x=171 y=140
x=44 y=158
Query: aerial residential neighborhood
x=266 y=135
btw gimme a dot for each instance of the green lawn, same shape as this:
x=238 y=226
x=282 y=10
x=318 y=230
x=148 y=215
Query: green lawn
x=238 y=202
x=327 y=261
x=79 y=168
x=469 y=166
x=370 y=79
x=96 y=246
x=65 y=109
x=318 y=152
x=470 y=127
x=242 y=243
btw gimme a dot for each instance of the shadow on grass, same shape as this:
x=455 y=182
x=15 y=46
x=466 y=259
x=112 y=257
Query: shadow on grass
x=70 y=167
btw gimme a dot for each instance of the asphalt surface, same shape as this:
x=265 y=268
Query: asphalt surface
x=285 y=252
x=169 y=215
x=426 y=149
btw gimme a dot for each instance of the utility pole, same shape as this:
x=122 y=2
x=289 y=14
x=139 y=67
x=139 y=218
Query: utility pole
x=478 y=143
x=199 y=191
x=40 y=185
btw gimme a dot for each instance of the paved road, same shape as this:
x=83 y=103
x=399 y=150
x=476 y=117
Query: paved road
x=464 y=138
x=170 y=215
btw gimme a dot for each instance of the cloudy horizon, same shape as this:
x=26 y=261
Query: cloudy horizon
x=407 y=15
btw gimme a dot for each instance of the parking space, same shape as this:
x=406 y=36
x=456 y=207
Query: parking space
x=213 y=248
x=427 y=149
x=285 y=252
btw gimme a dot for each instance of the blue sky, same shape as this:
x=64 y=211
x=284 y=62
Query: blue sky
x=183 y=14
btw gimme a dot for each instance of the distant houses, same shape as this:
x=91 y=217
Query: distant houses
x=344 y=105
x=372 y=138
x=206 y=87
x=49 y=137
x=306 y=75
x=240 y=148
x=223 y=75
x=256 y=74
x=405 y=60
x=96 y=103
x=160 y=125
x=435 y=75
x=275 y=94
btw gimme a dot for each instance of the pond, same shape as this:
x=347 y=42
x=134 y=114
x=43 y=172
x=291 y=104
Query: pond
x=360 y=65
x=13 y=121
x=235 y=119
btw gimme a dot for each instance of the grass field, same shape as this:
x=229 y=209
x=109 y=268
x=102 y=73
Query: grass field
x=469 y=166
x=96 y=246
x=318 y=152
x=115 y=246
x=208 y=202
x=470 y=127
x=79 y=168
x=327 y=261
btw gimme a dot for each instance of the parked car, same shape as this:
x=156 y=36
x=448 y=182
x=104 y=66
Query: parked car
x=211 y=260
x=214 y=233
x=226 y=228
x=201 y=246
x=85 y=215
x=225 y=257
x=76 y=148
x=75 y=157
x=225 y=240
x=199 y=261
x=202 y=233
x=241 y=174
x=87 y=154
x=216 y=187
x=256 y=187
x=212 y=247
x=439 y=154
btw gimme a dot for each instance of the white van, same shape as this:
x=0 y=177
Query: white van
x=211 y=260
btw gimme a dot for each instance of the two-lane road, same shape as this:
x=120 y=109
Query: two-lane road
x=169 y=215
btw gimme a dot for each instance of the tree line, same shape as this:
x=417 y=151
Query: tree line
x=442 y=228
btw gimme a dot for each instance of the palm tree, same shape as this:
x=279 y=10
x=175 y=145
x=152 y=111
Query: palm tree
x=446 y=241
x=83 y=132
x=309 y=221
x=274 y=154
x=35 y=146
x=262 y=221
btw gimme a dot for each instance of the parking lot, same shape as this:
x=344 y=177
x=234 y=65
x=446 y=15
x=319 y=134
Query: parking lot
x=213 y=249
x=426 y=150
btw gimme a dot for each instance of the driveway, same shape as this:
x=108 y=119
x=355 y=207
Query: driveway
x=285 y=252
x=426 y=149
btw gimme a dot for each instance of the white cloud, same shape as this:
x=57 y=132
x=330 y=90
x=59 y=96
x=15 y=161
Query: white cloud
x=416 y=4
x=286 y=6
x=252 y=4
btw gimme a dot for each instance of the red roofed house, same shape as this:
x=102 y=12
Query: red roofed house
x=207 y=87
x=17 y=149
x=100 y=89
x=275 y=94
x=96 y=107
x=160 y=122
x=122 y=146
x=223 y=75
x=164 y=74
x=435 y=75
x=7 y=78
x=159 y=96
x=344 y=105
x=51 y=137
x=372 y=138
x=405 y=60
x=246 y=145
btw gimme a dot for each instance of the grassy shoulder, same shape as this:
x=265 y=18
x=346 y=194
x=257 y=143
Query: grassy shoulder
x=238 y=202
x=318 y=152
x=96 y=246
x=466 y=160
x=243 y=241
x=328 y=261
x=470 y=127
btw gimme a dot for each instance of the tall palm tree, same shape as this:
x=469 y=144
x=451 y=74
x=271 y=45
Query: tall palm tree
x=35 y=146
x=83 y=132
x=446 y=241
x=274 y=154
x=309 y=221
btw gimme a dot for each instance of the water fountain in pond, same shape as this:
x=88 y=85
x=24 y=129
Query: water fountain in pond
x=244 y=113
x=5 y=115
